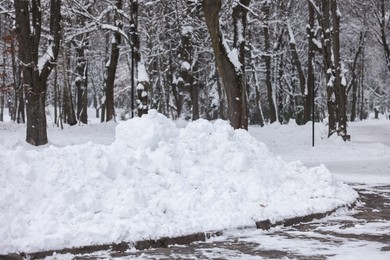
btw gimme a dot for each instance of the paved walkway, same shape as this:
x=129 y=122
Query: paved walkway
x=363 y=233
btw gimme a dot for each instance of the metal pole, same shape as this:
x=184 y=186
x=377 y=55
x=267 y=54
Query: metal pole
x=132 y=80
x=312 y=110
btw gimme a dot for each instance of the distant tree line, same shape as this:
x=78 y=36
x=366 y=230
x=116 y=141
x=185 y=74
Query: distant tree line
x=251 y=62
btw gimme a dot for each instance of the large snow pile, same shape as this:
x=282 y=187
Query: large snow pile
x=155 y=180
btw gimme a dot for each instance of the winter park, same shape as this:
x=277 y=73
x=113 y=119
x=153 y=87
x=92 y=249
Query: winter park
x=194 y=129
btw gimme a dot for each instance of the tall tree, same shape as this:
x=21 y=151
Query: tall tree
x=35 y=69
x=81 y=43
x=266 y=9
x=329 y=17
x=138 y=66
x=113 y=63
x=230 y=63
x=383 y=19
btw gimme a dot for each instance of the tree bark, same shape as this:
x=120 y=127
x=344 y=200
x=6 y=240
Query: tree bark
x=340 y=88
x=268 y=59
x=35 y=74
x=232 y=75
x=310 y=84
x=354 y=80
x=382 y=24
x=81 y=80
x=111 y=69
x=68 y=114
x=326 y=41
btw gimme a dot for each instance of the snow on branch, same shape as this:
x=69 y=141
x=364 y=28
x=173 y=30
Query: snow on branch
x=114 y=28
x=315 y=7
x=233 y=55
x=291 y=33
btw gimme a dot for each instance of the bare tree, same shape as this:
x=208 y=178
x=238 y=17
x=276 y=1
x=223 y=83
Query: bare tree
x=230 y=63
x=35 y=69
x=112 y=64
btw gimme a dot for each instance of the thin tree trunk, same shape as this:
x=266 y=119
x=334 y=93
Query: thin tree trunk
x=383 y=28
x=69 y=115
x=138 y=67
x=310 y=84
x=329 y=67
x=81 y=81
x=340 y=88
x=354 y=80
x=111 y=70
x=268 y=62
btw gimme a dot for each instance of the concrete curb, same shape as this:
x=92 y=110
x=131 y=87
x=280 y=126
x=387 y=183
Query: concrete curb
x=116 y=248
x=266 y=224
x=165 y=241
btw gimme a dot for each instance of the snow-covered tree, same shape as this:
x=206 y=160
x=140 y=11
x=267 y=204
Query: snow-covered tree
x=35 y=66
x=230 y=61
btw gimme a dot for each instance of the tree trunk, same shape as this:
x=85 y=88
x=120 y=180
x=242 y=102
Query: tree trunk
x=328 y=67
x=68 y=114
x=383 y=28
x=268 y=60
x=354 y=80
x=35 y=74
x=232 y=75
x=111 y=69
x=138 y=66
x=81 y=80
x=340 y=88
x=310 y=84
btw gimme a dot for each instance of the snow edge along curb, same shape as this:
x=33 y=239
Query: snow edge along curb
x=115 y=248
x=121 y=248
x=267 y=224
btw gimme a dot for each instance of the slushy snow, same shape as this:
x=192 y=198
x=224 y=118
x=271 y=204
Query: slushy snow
x=154 y=180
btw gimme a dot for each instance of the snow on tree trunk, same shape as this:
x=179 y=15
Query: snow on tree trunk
x=36 y=71
x=138 y=66
x=340 y=85
x=112 y=66
x=68 y=113
x=268 y=60
x=230 y=62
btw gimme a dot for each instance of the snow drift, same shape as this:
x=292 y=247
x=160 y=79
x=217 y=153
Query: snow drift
x=155 y=180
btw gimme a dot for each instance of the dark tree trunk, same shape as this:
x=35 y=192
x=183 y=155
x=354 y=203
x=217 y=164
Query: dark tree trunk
x=18 y=113
x=268 y=59
x=81 y=80
x=329 y=69
x=310 y=84
x=340 y=88
x=35 y=75
x=354 y=80
x=111 y=70
x=142 y=85
x=68 y=112
x=221 y=96
x=381 y=17
x=233 y=78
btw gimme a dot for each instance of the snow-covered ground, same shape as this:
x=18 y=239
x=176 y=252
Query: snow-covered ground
x=365 y=159
x=147 y=178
